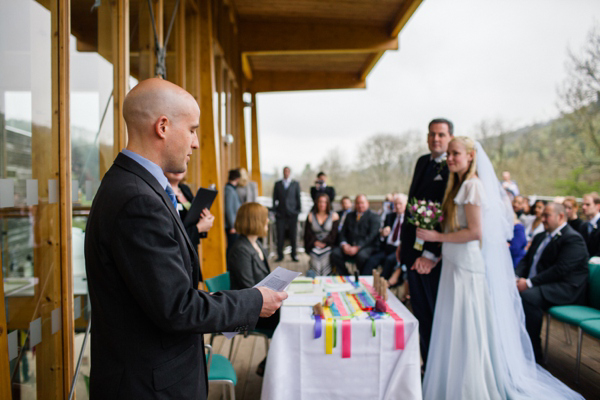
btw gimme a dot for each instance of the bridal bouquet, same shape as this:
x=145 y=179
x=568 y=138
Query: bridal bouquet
x=424 y=214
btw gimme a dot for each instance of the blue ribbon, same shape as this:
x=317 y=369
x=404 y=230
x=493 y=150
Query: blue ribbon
x=318 y=326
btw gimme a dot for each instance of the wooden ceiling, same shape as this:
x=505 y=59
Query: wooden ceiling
x=316 y=44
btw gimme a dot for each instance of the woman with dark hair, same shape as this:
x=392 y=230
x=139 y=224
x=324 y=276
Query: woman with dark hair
x=533 y=224
x=320 y=233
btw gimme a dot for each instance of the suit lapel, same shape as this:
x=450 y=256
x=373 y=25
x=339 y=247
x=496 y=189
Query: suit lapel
x=132 y=166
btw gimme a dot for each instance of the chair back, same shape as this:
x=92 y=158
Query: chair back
x=594 y=285
x=218 y=283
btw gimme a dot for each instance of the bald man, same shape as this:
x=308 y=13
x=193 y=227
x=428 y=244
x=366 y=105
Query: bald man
x=143 y=271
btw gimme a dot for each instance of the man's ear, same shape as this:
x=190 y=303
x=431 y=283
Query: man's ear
x=161 y=126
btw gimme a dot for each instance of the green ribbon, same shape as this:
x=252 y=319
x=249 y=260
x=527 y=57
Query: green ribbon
x=334 y=333
x=373 y=328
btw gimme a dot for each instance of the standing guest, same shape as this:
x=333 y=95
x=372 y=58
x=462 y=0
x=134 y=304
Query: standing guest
x=143 y=271
x=287 y=205
x=321 y=187
x=533 y=223
x=390 y=240
x=320 y=235
x=358 y=238
x=589 y=230
x=183 y=193
x=232 y=204
x=571 y=208
x=518 y=244
x=387 y=207
x=428 y=183
x=247 y=190
x=346 y=205
x=509 y=185
x=553 y=272
x=247 y=259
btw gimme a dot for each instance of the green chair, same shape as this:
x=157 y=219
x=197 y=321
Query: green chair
x=220 y=371
x=592 y=328
x=576 y=315
x=218 y=283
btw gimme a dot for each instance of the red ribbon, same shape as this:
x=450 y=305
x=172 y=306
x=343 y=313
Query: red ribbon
x=346 y=338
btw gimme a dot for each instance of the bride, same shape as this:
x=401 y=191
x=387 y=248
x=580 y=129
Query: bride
x=479 y=346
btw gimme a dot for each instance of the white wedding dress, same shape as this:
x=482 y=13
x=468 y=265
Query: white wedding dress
x=479 y=347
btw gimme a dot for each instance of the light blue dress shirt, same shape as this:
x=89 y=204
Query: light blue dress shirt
x=151 y=167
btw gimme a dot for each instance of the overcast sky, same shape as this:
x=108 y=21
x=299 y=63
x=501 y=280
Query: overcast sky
x=467 y=60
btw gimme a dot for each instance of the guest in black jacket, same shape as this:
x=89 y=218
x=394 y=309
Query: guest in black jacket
x=321 y=187
x=553 y=272
x=247 y=259
x=589 y=230
x=358 y=238
x=183 y=193
x=287 y=206
x=571 y=208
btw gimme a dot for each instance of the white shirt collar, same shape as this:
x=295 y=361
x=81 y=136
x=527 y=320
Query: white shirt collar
x=439 y=159
x=594 y=220
x=555 y=232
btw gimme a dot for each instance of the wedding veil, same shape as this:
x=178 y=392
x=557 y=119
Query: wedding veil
x=517 y=373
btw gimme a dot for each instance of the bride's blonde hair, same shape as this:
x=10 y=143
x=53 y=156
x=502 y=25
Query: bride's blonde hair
x=450 y=223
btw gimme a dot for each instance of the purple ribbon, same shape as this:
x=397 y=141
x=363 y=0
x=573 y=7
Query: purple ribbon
x=318 y=326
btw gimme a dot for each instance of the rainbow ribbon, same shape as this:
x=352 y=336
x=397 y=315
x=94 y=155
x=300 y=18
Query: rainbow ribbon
x=398 y=322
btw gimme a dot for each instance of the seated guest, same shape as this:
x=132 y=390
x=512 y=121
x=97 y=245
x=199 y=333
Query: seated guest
x=571 y=208
x=321 y=187
x=518 y=244
x=390 y=240
x=553 y=272
x=183 y=193
x=533 y=223
x=358 y=238
x=246 y=189
x=232 y=204
x=517 y=204
x=320 y=234
x=247 y=259
x=346 y=205
x=589 y=230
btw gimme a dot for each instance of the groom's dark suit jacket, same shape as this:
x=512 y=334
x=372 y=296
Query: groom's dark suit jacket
x=143 y=274
x=424 y=186
x=562 y=270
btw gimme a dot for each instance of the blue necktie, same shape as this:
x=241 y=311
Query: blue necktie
x=538 y=255
x=590 y=227
x=171 y=195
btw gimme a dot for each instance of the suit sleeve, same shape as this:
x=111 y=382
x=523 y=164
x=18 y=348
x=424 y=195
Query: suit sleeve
x=332 y=193
x=573 y=253
x=313 y=193
x=372 y=233
x=148 y=257
x=229 y=209
x=275 y=202
x=298 y=203
x=344 y=231
x=239 y=264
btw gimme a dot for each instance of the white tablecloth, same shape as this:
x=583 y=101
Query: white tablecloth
x=298 y=368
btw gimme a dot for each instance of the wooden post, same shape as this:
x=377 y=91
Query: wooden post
x=120 y=25
x=105 y=33
x=180 y=45
x=192 y=80
x=256 y=176
x=5 y=386
x=65 y=193
x=241 y=130
x=213 y=247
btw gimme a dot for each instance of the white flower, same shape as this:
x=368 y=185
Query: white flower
x=421 y=210
x=429 y=213
x=427 y=220
x=417 y=223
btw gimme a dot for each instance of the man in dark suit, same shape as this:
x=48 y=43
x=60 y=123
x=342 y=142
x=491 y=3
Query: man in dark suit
x=143 y=272
x=429 y=183
x=358 y=238
x=287 y=206
x=321 y=187
x=389 y=241
x=232 y=205
x=553 y=272
x=589 y=230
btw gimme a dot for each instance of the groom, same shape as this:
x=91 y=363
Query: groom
x=428 y=183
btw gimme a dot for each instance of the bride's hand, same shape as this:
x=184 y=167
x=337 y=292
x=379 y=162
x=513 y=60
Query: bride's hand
x=428 y=235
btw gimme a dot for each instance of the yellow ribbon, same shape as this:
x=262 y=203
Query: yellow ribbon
x=328 y=336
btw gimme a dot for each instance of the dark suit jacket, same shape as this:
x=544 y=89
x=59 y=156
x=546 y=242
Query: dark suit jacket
x=423 y=187
x=245 y=267
x=562 y=270
x=287 y=202
x=592 y=240
x=148 y=315
x=362 y=233
x=329 y=191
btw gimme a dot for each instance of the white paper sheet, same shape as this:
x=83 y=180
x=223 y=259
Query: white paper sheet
x=277 y=280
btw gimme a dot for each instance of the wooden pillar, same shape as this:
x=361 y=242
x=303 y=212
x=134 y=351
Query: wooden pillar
x=256 y=176
x=241 y=130
x=105 y=33
x=180 y=45
x=213 y=247
x=192 y=81
x=120 y=37
x=65 y=193
x=5 y=392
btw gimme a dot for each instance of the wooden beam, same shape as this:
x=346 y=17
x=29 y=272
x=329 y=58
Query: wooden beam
x=65 y=194
x=120 y=25
x=274 y=37
x=370 y=65
x=408 y=9
x=256 y=175
x=276 y=81
x=180 y=44
x=192 y=85
x=214 y=246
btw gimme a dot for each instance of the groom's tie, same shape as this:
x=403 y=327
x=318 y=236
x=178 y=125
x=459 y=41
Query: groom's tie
x=538 y=255
x=171 y=195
